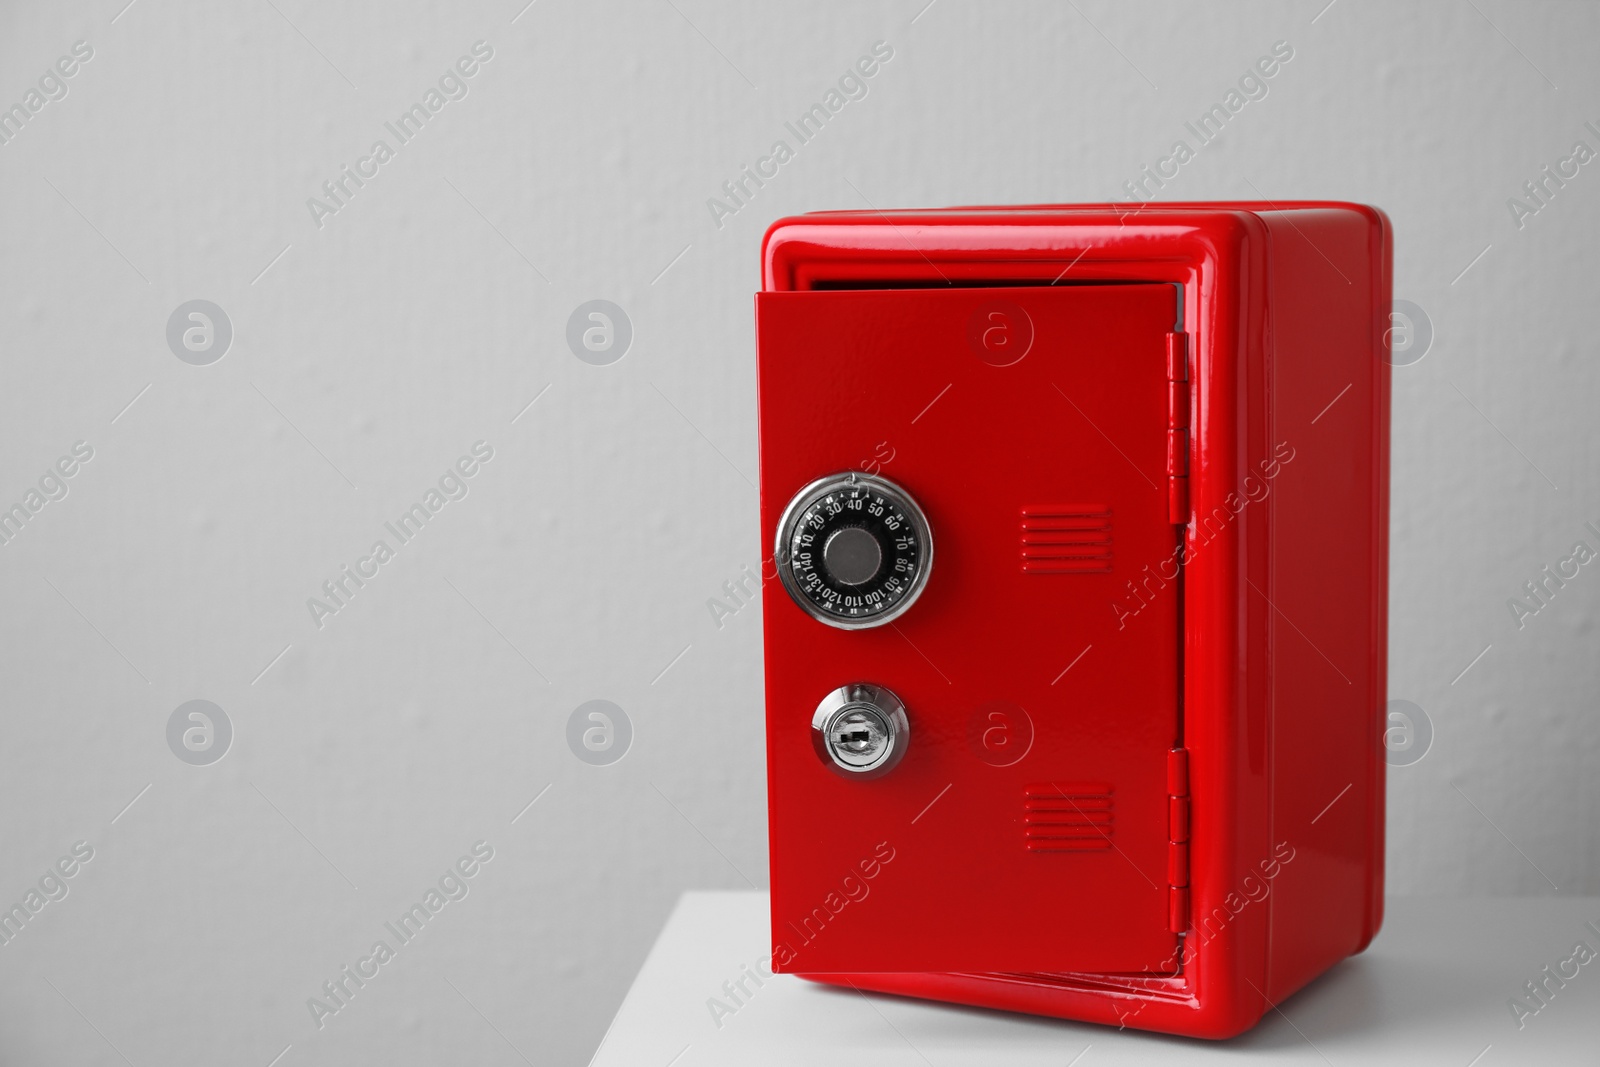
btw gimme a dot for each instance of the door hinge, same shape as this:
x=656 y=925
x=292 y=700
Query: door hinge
x=1178 y=428
x=1178 y=840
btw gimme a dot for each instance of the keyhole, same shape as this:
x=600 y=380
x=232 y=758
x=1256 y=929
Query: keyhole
x=857 y=737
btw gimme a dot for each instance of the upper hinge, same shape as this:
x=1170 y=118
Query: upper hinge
x=1178 y=840
x=1178 y=428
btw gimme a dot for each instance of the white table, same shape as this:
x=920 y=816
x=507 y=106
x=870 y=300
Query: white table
x=1432 y=989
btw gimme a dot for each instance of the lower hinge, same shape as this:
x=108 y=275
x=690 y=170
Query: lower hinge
x=1178 y=840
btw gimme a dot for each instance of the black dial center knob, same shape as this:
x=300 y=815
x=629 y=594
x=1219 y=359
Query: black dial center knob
x=854 y=550
x=852 y=555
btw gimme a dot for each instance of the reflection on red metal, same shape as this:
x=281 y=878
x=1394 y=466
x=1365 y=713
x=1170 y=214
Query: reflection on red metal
x=1126 y=572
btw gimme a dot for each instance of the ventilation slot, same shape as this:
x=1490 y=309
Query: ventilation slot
x=1066 y=539
x=1068 y=817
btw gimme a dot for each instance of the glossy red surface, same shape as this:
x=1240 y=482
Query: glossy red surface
x=1076 y=828
x=1271 y=643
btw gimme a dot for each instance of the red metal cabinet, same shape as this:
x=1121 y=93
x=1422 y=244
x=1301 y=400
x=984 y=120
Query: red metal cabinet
x=1075 y=613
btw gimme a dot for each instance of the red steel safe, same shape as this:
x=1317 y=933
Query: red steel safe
x=1075 y=619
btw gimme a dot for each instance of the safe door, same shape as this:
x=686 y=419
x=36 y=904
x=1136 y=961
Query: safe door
x=972 y=626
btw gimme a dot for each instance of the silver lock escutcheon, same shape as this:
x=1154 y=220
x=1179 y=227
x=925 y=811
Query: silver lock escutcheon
x=861 y=730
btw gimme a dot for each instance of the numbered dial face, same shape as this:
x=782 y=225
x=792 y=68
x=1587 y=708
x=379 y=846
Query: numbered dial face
x=854 y=550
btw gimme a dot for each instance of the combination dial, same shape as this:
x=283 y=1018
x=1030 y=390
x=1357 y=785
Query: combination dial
x=854 y=550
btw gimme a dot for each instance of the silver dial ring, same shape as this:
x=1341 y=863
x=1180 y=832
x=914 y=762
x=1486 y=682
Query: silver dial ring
x=853 y=550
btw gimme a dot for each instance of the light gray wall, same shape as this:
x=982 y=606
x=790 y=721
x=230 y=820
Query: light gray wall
x=372 y=351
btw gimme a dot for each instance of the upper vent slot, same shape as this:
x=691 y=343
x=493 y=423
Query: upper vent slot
x=1066 y=539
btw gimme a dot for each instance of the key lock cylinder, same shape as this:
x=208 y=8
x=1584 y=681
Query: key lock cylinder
x=854 y=552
